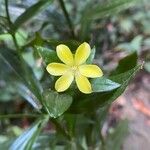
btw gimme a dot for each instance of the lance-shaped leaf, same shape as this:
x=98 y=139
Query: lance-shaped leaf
x=96 y=100
x=103 y=85
x=55 y=103
x=126 y=63
x=125 y=73
x=23 y=71
x=28 y=95
x=30 y=12
x=27 y=139
x=12 y=60
x=99 y=11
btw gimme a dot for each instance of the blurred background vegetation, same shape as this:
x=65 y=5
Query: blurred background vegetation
x=116 y=28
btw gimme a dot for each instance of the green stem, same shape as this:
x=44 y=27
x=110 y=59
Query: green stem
x=11 y=25
x=70 y=25
x=15 y=43
x=19 y=116
x=60 y=129
x=7 y=12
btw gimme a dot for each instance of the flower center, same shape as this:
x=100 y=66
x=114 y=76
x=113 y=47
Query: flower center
x=74 y=69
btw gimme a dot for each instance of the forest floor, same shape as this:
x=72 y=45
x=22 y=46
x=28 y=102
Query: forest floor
x=134 y=105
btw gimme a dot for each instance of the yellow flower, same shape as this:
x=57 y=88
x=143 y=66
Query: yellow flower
x=74 y=67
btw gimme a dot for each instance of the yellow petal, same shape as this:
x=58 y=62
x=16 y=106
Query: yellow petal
x=82 y=53
x=64 y=54
x=83 y=84
x=64 y=82
x=91 y=71
x=57 y=69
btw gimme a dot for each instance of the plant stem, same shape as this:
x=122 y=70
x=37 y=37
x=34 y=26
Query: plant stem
x=7 y=12
x=15 y=43
x=60 y=129
x=19 y=116
x=11 y=25
x=70 y=25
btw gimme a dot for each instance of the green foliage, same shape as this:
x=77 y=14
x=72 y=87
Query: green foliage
x=11 y=58
x=98 y=11
x=24 y=91
x=72 y=44
x=20 y=37
x=75 y=119
x=24 y=73
x=48 y=55
x=103 y=85
x=116 y=137
x=124 y=64
x=56 y=104
x=133 y=46
x=29 y=13
x=95 y=101
x=26 y=140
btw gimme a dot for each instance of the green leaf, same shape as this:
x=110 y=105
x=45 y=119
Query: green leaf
x=30 y=12
x=23 y=72
x=70 y=123
x=5 y=145
x=115 y=139
x=26 y=140
x=48 y=55
x=92 y=102
x=28 y=95
x=126 y=63
x=136 y=43
x=5 y=36
x=133 y=46
x=31 y=59
x=46 y=141
x=11 y=58
x=102 y=85
x=55 y=103
x=20 y=35
x=72 y=44
x=91 y=57
x=98 y=11
x=39 y=41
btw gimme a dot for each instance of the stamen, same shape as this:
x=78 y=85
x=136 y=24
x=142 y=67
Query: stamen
x=74 y=68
